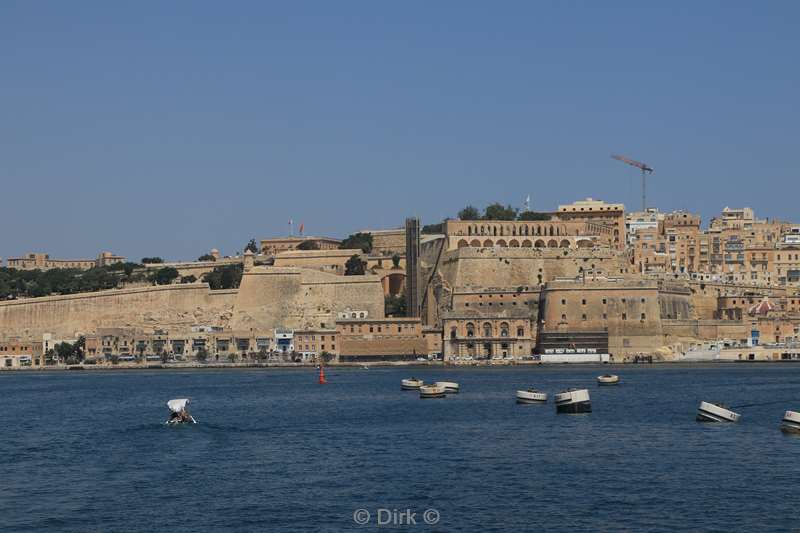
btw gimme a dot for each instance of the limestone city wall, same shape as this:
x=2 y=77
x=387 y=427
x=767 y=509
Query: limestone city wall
x=169 y=306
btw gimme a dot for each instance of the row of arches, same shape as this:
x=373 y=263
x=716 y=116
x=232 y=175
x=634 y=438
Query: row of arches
x=488 y=331
x=551 y=230
x=525 y=243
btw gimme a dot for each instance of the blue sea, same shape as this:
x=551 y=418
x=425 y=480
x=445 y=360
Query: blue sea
x=275 y=451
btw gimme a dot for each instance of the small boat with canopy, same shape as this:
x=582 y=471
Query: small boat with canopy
x=178 y=414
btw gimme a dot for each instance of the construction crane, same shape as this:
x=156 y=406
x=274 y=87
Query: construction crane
x=644 y=168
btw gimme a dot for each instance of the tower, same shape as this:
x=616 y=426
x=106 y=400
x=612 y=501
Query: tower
x=413 y=292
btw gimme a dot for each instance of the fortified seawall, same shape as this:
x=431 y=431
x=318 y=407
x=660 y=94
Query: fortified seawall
x=271 y=297
x=511 y=267
x=169 y=306
x=268 y=298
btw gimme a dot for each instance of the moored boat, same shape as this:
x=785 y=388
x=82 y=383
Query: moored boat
x=450 y=387
x=715 y=412
x=791 y=422
x=608 y=379
x=431 y=391
x=411 y=384
x=573 y=401
x=531 y=396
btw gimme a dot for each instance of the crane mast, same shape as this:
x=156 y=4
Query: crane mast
x=646 y=169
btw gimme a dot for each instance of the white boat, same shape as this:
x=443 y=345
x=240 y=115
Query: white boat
x=608 y=379
x=573 y=401
x=791 y=422
x=450 y=387
x=432 y=391
x=178 y=413
x=715 y=412
x=531 y=396
x=411 y=384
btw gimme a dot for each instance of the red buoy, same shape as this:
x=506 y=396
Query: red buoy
x=321 y=376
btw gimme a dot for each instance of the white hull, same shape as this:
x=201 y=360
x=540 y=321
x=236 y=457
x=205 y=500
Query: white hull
x=711 y=412
x=573 y=401
x=431 y=391
x=791 y=422
x=608 y=379
x=411 y=384
x=450 y=387
x=531 y=396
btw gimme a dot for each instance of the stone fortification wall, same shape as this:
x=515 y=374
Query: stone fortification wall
x=383 y=346
x=388 y=242
x=512 y=267
x=272 y=297
x=683 y=333
x=195 y=268
x=327 y=260
x=628 y=310
x=167 y=307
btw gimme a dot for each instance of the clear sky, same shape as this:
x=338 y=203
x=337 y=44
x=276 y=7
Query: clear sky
x=169 y=128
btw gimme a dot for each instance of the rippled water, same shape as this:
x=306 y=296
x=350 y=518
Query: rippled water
x=275 y=451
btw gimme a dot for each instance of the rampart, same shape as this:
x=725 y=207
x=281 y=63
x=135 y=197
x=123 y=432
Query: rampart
x=272 y=297
x=511 y=267
x=170 y=306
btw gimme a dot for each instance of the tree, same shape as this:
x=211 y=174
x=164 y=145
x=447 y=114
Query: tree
x=128 y=268
x=202 y=354
x=496 y=211
x=252 y=245
x=224 y=277
x=395 y=305
x=165 y=276
x=206 y=257
x=262 y=354
x=191 y=278
x=151 y=260
x=308 y=245
x=71 y=353
x=396 y=261
x=533 y=215
x=358 y=240
x=432 y=229
x=469 y=213
x=355 y=266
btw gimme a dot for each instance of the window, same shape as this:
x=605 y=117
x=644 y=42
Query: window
x=605 y=316
x=583 y=317
x=583 y=302
x=563 y=302
x=624 y=316
x=643 y=316
x=520 y=332
x=564 y=317
x=604 y=301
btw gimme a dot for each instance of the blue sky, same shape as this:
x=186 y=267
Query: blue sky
x=169 y=128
